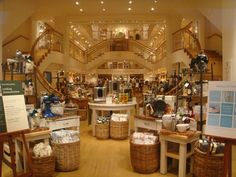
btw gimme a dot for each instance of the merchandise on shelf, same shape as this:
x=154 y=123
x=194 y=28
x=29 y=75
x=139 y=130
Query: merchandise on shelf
x=65 y=136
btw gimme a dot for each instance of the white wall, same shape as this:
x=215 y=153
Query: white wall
x=16 y=12
x=229 y=41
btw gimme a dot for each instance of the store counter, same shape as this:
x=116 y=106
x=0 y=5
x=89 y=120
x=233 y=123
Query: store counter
x=95 y=107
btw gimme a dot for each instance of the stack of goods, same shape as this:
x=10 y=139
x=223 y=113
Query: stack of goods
x=208 y=159
x=119 y=126
x=43 y=160
x=144 y=152
x=102 y=127
x=66 y=145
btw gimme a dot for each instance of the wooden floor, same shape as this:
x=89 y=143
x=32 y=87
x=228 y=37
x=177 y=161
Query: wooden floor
x=106 y=158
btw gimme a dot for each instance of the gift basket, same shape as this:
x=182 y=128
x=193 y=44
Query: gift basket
x=102 y=127
x=208 y=159
x=66 y=145
x=119 y=126
x=144 y=152
x=43 y=160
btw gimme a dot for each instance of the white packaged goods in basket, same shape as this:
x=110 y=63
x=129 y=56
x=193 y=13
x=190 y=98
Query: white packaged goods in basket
x=119 y=117
x=65 y=136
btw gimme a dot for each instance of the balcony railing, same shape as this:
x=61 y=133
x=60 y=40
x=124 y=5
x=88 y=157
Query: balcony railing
x=187 y=40
x=49 y=40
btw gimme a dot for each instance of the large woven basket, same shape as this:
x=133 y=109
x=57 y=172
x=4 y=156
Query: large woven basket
x=119 y=130
x=207 y=165
x=102 y=131
x=145 y=158
x=43 y=166
x=67 y=156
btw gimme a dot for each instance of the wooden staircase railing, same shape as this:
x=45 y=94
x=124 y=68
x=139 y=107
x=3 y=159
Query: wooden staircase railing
x=46 y=84
x=15 y=39
x=97 y=50
x=49 y=40
x=174 y=90
x=185 y=39
x=137 y=47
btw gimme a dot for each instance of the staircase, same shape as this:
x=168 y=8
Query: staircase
x=39 y=53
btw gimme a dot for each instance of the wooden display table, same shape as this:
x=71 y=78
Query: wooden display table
x=110 y=107
x=82 y=104
x=147 y=122
x=72 y=121
x=182 y=139
x=21 y=158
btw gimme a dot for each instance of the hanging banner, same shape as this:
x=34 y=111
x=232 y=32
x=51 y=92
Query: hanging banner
x=221 y=112
x=13 y=116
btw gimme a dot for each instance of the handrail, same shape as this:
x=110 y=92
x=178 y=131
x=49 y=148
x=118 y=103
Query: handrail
x=50 y=35
x=149 y=49
x=94 y=47
x=187 y=40
x=46 y=84
x=174 y=88
x=14 y=39
x=74 y=52
x=214 y=34
x=195 y=39
x=184 y=28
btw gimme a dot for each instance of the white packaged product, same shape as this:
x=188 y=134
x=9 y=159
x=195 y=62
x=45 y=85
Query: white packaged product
x=42 y=150
x=144 y=138
x=65 y=136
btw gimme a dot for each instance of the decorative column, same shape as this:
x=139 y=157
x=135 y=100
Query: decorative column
x=95 y=31
x=145 y=31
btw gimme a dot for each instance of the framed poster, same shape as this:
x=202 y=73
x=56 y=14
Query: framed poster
x=13 y=116
x=221 y=112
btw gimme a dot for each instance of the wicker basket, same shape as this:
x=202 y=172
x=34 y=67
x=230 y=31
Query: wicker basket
x=205 y=165
x=43 y=166
x=102 y=131
x=119 y=130
x=145 y=158
x=67 y=156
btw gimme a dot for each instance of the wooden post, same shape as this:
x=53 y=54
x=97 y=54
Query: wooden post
x=9 y=137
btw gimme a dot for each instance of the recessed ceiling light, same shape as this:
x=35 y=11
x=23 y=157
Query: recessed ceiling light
x=129 y=9
x=102 y=2
x=152 y=9
x=130 y=2
x=77 y=3
x=103 y=9
x=81 y=10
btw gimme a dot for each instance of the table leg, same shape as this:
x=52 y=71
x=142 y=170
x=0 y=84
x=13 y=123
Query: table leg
x=94 y=119
x=182 y=160
x=129 y=114
x=163 y=168
x=1 y=157
x=191 y=158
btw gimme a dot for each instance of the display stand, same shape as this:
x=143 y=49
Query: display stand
x=227 y=153
x=9 y=138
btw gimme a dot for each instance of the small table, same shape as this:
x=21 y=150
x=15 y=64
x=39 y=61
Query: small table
x=110 y=107
x=43 y=135
x=181 y=139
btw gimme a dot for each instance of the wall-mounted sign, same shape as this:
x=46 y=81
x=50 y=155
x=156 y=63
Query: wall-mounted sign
x=13 y=116
x=221 y=112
